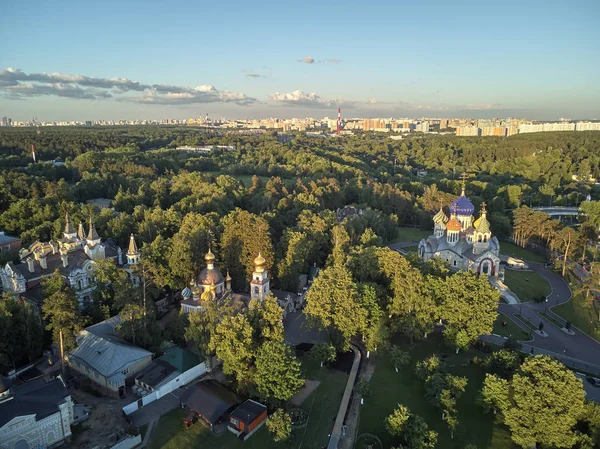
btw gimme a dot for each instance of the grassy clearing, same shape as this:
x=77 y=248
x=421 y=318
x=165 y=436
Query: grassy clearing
x=520 y=253
x=325 y=400
x=527 y=285
x=552 y=320
x=411 y=235
x=511 y=330
x=389 y=388
x=582 y=314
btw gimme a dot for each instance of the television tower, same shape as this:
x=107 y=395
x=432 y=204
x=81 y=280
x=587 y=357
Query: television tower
x=339 y=123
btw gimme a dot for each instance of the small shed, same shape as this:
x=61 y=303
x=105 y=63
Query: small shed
x=247 y=419
x=212 y=402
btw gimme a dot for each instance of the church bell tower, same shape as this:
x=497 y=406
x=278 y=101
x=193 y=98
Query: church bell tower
x=259 y=287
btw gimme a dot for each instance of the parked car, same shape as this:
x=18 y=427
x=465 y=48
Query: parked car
x=595 y=382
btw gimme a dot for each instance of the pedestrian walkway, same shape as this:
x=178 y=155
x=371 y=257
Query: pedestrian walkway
x=336 y=434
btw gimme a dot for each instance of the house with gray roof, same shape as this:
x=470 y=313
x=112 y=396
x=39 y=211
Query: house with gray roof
x=74 y=256
x=105 y=360
x=38 y=413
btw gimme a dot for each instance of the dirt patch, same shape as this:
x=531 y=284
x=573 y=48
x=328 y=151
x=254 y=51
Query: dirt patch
x=309 y=386
x=106 y=423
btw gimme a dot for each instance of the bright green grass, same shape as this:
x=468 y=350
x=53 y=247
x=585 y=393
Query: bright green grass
x=510 y=330
x=527 y=285
x=411 y=235
x=170 y=433
x=581 y=313
x=520 y=253
x=389 y=388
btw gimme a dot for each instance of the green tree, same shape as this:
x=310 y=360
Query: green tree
x=280 y=425
x=494 y=394
x=398 y=357
x=410 y=430
x=323 y=352
x=298 y=248
x=61 y=312
x=333 y=304
x=546 y=400
x=232 y=342
x=245 y=235
x=277 y=372
x=469 y=306
x=21 y=333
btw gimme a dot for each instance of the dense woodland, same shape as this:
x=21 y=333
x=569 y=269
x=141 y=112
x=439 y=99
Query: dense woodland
x=281 y=200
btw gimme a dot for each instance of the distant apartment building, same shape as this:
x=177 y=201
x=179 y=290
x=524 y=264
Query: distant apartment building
x=444 y=123
x=422 y=127
x=499 y=131
x=587 y=126
x=468 y=131
x=192 y=149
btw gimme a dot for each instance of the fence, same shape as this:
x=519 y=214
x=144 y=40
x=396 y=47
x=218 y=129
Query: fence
x=128 y=443
x=179 y=381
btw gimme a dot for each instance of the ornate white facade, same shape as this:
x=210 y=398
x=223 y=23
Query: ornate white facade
x=465 y=244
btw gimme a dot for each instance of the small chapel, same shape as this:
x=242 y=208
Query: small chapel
x=465 y=243
x=210 y=284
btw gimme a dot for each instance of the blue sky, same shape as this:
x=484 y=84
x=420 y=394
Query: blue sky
x=537 y=59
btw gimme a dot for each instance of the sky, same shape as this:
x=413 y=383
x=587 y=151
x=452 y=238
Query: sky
x=74 y=60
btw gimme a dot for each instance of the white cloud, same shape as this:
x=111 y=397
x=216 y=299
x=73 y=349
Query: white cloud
x=307 y=60
x=311 y=60
x=16 y=84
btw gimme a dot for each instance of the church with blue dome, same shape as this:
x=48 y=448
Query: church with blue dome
x=465 y=243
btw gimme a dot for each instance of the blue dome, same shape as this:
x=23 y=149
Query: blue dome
x=463 y=206
x=186 y=293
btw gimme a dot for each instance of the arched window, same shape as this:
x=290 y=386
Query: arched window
x=256 y=291
x=455 y=263
x=485 y=238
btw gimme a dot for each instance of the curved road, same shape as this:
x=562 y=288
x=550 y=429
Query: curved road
x=579 y=346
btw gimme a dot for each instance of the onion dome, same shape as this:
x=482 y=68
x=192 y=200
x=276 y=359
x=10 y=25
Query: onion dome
x=186 y=293
x=453 y=224
x=213 y=287
x=482 y=225
x=462 y=206
x=210 y=257
x=228 y=278
x=209 y=276
x=440 y=217
x=5 y=384
x=259 y=263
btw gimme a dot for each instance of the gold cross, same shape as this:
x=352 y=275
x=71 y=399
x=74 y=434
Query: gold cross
x=483 y=206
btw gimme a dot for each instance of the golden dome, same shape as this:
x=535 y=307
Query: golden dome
x=228 y=278
x=259 y=261
x=212 y=287
x=210 y=257
x=440 y=217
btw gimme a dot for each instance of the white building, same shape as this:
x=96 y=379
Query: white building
x=74 y=256
x=465 y=244
x=37 y=414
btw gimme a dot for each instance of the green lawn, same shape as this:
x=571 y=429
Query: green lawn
x=520 y=253
x=510 y=330
x=581 y=313
x=411 y=235
x=170 y=433
x=411 y=249
x=390 y=388
x=527 y=285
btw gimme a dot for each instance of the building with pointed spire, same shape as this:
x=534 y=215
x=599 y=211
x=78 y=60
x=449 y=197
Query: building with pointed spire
x=464 y=243
x=74 y=255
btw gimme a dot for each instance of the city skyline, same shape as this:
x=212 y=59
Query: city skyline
x=259 y=61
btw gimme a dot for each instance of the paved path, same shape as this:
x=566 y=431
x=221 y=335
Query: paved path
x=336 y=434
x=156 y=409
x=579 y=346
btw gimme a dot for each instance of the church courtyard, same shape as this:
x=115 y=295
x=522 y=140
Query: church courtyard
x=527 y=285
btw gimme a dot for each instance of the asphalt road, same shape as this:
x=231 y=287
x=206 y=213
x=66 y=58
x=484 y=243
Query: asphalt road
x=579 y=346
